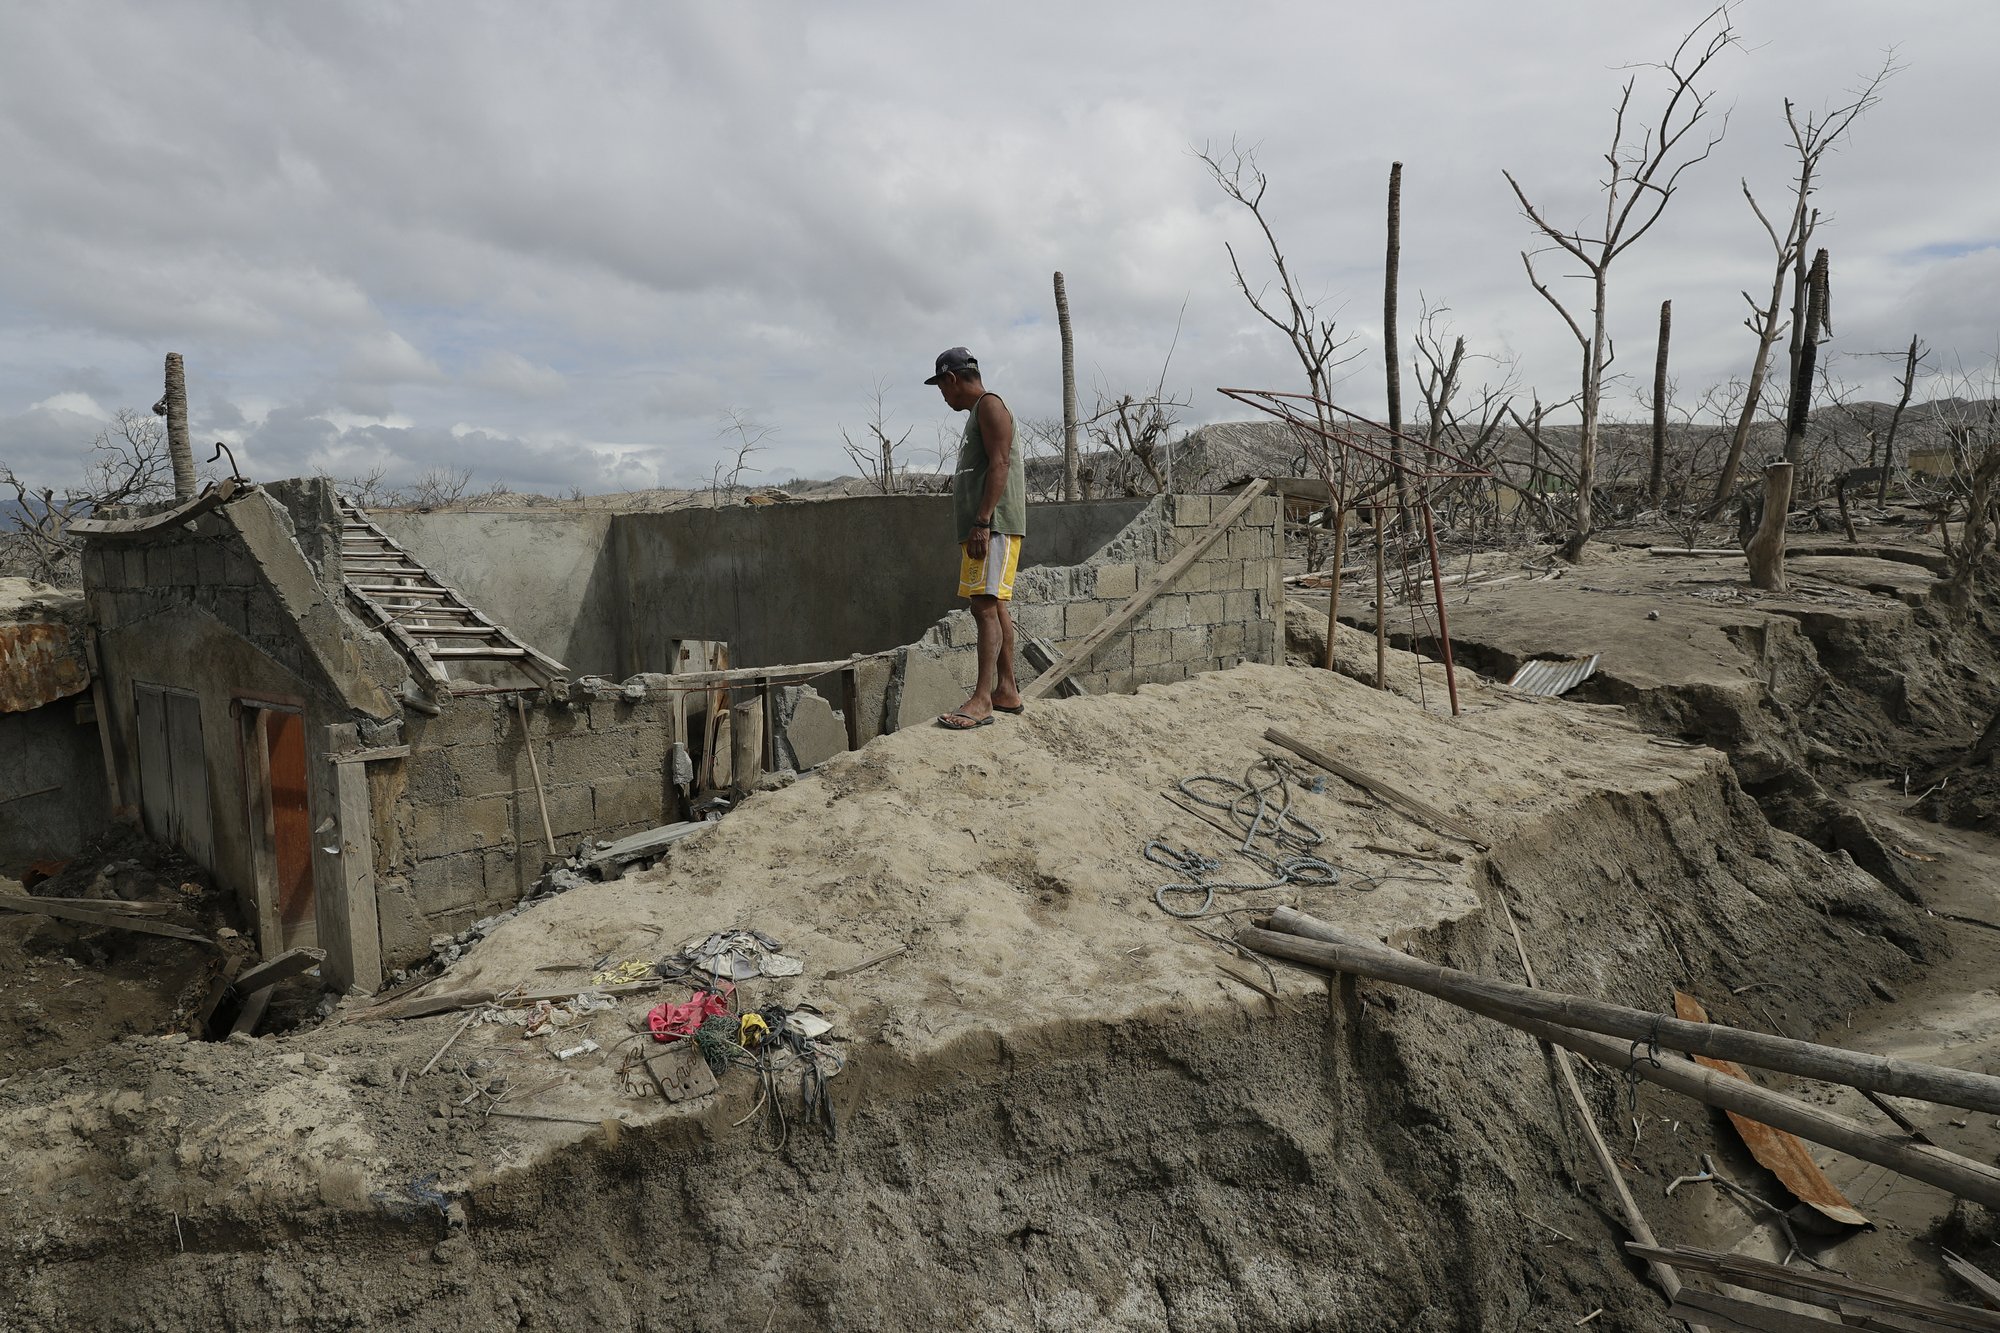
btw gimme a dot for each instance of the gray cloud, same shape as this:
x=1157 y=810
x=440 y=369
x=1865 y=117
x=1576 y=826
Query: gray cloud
x=555 y=245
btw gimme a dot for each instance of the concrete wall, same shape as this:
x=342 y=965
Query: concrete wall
x=1226 y=608
x=48 y=747
x=551 y=577
x=458 y=826
x=608 y=594
x=815 y=581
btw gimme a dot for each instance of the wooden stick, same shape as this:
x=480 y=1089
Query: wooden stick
x=1082 y=649
x=66 y=909
x=1828 y=1290
x=1829 y=1064
x=535 y=767
x=1947 y=1171
x=1635 y=1220
x=1333 y=589
x=868 y=962
x=470 y=1019
x=274 y=970
x=1422 y=811
x=1381 y=609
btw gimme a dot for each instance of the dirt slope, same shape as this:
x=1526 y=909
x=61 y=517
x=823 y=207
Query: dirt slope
x=1055 y=1112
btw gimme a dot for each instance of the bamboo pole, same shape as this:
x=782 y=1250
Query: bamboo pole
x=1946 y=1171
x=1333 y=587
x=1829 y=1064
x=1381 y=605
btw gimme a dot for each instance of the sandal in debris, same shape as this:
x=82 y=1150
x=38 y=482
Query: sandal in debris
x=963 y=722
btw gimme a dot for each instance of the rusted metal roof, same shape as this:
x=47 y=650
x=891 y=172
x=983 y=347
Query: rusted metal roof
x=1554 y=675
x=39 y=664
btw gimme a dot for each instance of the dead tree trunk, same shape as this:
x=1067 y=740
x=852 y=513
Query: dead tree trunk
x=1071 y=483
x=174 y=406
x=1391 y=350
x=1896 y=419
x=1657 y=482
x=1333 y=589
x=1802 y=378
x=1766 y=547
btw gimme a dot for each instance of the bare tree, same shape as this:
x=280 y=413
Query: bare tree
x=876 y=455
x=1644 y=173
x=129 y=463
x=1966 y=409
x=438 y=487
x=1459 y=419
x=1912 y=359
x=1131 y=435
x=747 y=434
x=1317 y=343
x=1813 y=136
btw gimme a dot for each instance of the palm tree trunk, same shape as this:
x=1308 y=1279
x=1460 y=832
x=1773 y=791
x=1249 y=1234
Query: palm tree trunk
x=1071 y=487
x=178 y=449
x=1391 y=351
x=1657 y=482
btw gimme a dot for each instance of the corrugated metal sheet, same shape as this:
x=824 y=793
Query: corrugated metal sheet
x=1554 y=675
x=39 y=664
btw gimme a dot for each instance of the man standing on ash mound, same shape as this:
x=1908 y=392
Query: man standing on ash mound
x=990 y=501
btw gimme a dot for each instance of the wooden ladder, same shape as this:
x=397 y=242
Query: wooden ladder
x=427 y=620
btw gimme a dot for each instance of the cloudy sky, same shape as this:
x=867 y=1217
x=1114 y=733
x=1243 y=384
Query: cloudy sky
x=557 y=244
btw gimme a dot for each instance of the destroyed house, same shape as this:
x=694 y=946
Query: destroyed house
x=377 y=728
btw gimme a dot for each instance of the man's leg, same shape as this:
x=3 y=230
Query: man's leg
x=988 y=613
x=1006 y=692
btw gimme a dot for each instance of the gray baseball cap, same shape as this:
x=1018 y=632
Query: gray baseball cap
x=954 y=361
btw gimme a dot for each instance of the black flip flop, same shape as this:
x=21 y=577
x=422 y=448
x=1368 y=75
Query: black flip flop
x=971 y=723
x=1016 y=710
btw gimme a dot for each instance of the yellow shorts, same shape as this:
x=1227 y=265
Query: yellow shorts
x=993 y=576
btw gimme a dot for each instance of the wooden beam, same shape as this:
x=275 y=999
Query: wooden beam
x=1946 y=1171
x=1082 y=650
x=69 y=909
x=271 y=971
x=1421 y=810
x=375 y=755
x=1829 y=1064
x=356 y=959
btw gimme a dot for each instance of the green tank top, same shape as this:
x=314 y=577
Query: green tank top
x=968 y=484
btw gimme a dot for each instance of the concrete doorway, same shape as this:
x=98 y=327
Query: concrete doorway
x=281 y=833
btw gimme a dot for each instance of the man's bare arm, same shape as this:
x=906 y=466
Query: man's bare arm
x=996 y=431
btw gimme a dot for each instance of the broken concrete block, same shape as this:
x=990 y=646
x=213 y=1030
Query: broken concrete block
x=927 y=685
x=1116 y=581
x=871 y=694
x=810 y=732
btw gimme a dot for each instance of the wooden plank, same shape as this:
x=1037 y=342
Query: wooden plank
x=271 y=971
x=1832 y=1291
x=354 y=952
x=194 y=828
x=1733 y=1313
x=374 y=755
x=1830 y=1064
x=1776 y=1151
x=252 y=1012
x=650 y=842
x=1082 y=650
x=70 y=909
x=474 y=654
x=213 y=498
x=788 y=674
x=400 y=636
x=1988 y=1287
x=1968 y=1179
x=423 y=1006
x=1411 y=805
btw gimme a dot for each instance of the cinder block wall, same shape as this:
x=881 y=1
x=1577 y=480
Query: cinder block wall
x=458 y=827
x=1224 y=609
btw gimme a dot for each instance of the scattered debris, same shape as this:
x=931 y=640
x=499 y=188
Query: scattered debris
x=1551 y=677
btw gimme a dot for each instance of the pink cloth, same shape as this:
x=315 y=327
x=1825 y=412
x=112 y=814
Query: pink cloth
x=670 y=1022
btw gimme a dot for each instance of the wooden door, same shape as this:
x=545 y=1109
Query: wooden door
x=291 y=825
x=173 y=770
